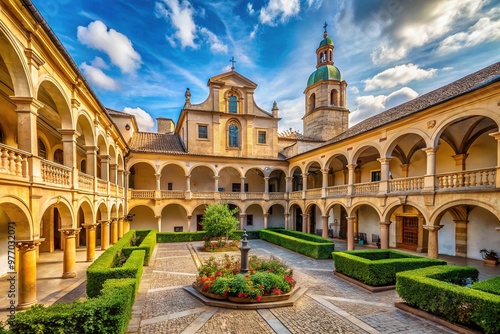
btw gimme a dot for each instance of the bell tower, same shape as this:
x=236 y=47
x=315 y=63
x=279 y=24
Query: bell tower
x=326 y=115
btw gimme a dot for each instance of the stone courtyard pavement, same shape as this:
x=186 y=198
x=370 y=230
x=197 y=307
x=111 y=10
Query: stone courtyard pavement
x=330 y=305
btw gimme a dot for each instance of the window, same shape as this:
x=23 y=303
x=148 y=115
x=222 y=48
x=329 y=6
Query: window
x=236 y=187
x=312 y=102
x=334 y=97
x=42 y=151
x=202 y=131
x=59 y=156
x=233 y=136
x=376 y=176
x=178 y=228
x=83 y=166
x=170 y=186
x=262 y=137
x=233 y=104
x=249 y=219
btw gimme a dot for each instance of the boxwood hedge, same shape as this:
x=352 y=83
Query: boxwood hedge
x=162 y=237
x=147 y=242
x=319 y=249
x=378 y=267
x=491 y=285
x=430 y=289
x=107 y=314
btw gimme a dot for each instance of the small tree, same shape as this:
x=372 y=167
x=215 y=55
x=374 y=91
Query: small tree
x=219 y=221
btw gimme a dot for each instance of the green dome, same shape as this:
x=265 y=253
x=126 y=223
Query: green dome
x=325 y=72
x=326 y=41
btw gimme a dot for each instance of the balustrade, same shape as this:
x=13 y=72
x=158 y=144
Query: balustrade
x=296 y=195
x=55 y=173
x=406 y=184
x=224 y=195
x=85 y=181
x=102 y=186
x=276 y=196
x=313 y=193
x=467 y=179
x=202 y=195
x=368 y=188
x=255 y=195
x=143 y=194
x=167 y=194
x=13 y=161
x=337 y=191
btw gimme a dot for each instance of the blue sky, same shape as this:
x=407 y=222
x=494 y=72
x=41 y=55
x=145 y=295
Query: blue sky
x=140 y=55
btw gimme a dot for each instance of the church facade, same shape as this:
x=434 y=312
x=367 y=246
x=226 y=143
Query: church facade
x=421 y=176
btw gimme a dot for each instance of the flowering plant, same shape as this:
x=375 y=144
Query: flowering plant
x=265 y=277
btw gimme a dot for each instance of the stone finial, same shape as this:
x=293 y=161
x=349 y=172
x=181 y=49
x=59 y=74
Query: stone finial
x=275 y=109
x=187 y=94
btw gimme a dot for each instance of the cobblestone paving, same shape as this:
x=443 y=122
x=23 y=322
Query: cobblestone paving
x=330 y=305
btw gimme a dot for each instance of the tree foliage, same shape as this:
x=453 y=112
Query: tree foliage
x=219 y=220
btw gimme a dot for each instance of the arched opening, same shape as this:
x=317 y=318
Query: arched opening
x=174 y=219
x=59 y=156
x=334 y=97
x=276 y=216
x=254 y=217
x=144 y=218
x=233 y=135
x=233 y=104
x=312 y=102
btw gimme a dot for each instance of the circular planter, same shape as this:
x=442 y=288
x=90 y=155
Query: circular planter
x=242 y=300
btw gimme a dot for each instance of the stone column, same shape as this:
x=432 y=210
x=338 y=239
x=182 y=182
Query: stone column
x=126 y=226
x=91 y=160
x=105 y=167
x=113 y=173
x=104 y=234
x=27 y=114
x=432 y=248
x=158 y=222
x=266 y=184
x=384 y=175
x=350 y=181
x=350 y=233
x=324 y=219
x=114 y=230
x=305 y=223
x=496 y=135
x=242 y=190
x=430 y=177
x=304 y=184
x=324 y=185
x=120 y=175
x=216 y=183
x=266 y=215
x=461 y=238
x=90 y=234
x=287 y=221
x=188 y=183
x=242 y=220
x=384 y=234
x=189 y=223
x=120 y=227
x=26 y=276
x=69 y=146
x=69 y=256
x=288 y=183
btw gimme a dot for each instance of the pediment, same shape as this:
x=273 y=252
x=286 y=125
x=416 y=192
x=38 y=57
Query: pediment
x=232 y=78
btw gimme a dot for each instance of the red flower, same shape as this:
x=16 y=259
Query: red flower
x=258 y=298
x=240 y=295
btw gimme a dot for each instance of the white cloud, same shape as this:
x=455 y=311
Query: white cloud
x=398 y=75
x=486 y=29
x=370 y=105
x=250 y=9
x=417 y=24
x=354 y=89
x=291 y=113
x=254 y=31
x=116 y=45
x=216 y=46
x=144 y=120
x=98 y=78
x=99 y=63
x=180 y=13
x=279 y=10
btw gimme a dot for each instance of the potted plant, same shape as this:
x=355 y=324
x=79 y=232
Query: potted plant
x=489 y=256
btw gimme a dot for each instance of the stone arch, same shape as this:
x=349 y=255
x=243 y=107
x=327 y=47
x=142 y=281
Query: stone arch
x=51 y=93
x=392 y=142
x=84 y=125
x=142 y=176
x=173 y=176
x=203 y=179
x=276 y=215
x=254 y=218
x=229 y=175
x=295 y=209
x=65 y=210
x=144 y=218
x=174 y=218
x=13 y=57
x=17 y=211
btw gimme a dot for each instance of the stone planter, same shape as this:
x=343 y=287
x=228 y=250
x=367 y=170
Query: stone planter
x=490 y=262
x=234 y=299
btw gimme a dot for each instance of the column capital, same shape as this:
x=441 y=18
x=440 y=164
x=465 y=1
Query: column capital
x=243 y=178
x=495 y=135
x=72 y=133
x=304 y=175
x=430 y=150
x=29 y=244
x=387 y=223
x=351 y=166
x=325 y=171
x=289 y=178
x=433 y=227
x=325 y=216
x=27 y=104
x=70 y=232
x=384 y=160
x=157 y=217
x=104 y=222
x=91 y=226
x=216 y=177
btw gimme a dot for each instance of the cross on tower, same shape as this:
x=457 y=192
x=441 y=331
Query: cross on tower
x=232 y=61
x=325 y=25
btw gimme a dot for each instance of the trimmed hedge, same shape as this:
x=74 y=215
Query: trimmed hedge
x=317 y=250
x=378 y=267
x=425 y=289
x=491 y=285
x=99 y=272
x=302 y=235
x=147 y=240
x=107 y=314
x=162 y=237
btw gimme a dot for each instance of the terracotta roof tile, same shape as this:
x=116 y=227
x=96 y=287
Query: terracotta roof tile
x=149 y=142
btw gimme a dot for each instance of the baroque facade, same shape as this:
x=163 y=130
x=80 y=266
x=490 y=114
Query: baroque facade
x=422 y=175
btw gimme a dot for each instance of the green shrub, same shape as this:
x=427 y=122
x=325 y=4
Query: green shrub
x=100 y=271
x=378 y=267
x=147 y=242
x=162 y=237
x=302 y=235
x=425 y=289
x=491 y=285
x=107 y=314
x=317 y=250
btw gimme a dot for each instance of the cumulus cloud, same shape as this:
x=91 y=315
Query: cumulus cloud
x=99 y=63
x=370 y=105
x=216 y=46
x=116 y=45
x=485 y=30
x=291 y=113
x=98 y=78
x=408 y=25
x=279 y=10
x=180 y=14
x=144 y=120
x=254 y=31
x=250 y=9
x=398 y=75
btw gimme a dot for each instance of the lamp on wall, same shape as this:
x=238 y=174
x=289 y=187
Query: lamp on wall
x=127 y=127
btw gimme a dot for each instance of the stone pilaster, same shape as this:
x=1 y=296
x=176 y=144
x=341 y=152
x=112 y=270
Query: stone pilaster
x=26 y=276
x=69 y=256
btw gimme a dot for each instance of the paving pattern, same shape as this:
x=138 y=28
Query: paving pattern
x=330 y=304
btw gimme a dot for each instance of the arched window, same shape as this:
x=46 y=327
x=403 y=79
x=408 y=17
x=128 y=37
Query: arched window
x=233 y=136
x=83 y=166
x=59 y=156
x=42 y=151
x=312 y=102
x=334 y=97
x=1 y=135
x=233 y=104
